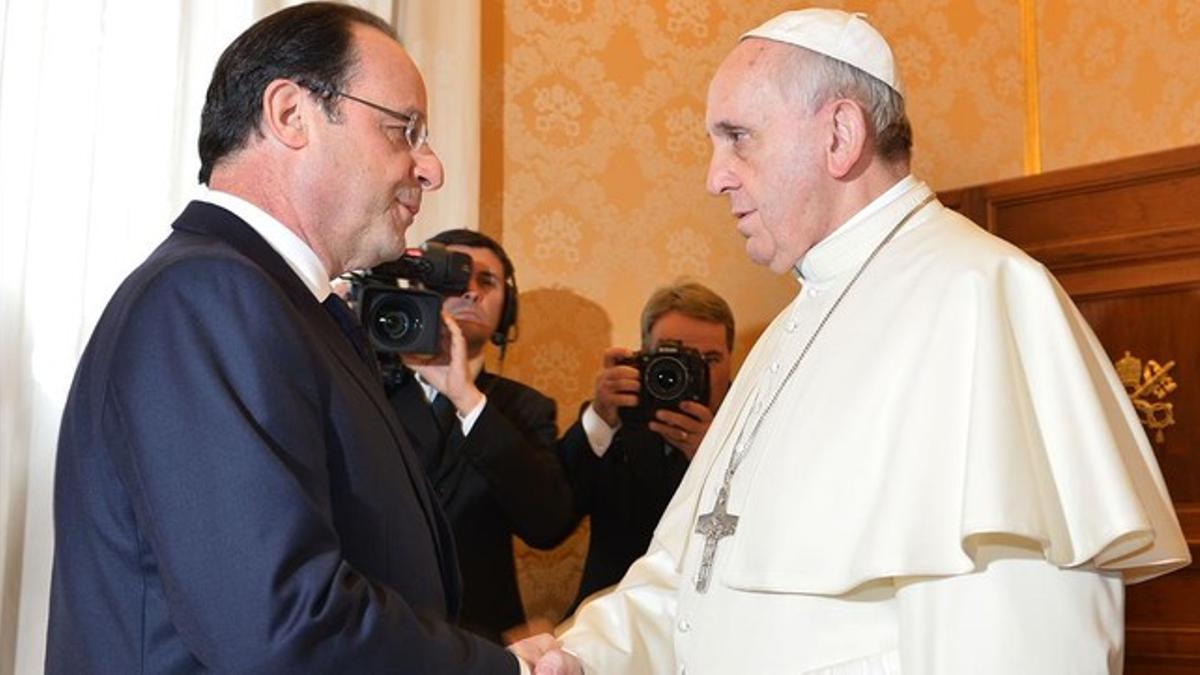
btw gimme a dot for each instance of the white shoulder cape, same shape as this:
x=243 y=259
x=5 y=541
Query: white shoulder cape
x=957 y=393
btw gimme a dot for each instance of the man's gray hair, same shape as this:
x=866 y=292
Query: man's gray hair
x=819 y=79
x=690 y=299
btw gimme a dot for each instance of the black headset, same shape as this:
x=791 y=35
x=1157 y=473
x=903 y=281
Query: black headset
x=506 y=330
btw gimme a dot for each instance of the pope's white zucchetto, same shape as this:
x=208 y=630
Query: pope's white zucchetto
x=839 y=35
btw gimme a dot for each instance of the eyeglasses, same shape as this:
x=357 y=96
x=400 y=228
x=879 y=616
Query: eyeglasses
x=416 y=130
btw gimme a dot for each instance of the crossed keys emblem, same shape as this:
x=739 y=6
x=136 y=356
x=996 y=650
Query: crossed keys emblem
x=1147 y=387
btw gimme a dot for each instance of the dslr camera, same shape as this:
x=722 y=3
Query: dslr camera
x=670 y=374
x=407 y=320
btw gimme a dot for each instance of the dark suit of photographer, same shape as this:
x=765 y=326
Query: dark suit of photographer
x=486 y=442
x=623 y=476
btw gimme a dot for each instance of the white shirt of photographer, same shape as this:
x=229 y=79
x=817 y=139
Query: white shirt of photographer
x=598 y=433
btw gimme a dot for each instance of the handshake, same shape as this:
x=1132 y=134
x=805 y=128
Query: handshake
x=544 y=655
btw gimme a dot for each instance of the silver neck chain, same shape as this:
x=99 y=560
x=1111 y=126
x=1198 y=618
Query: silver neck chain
x=747 y=442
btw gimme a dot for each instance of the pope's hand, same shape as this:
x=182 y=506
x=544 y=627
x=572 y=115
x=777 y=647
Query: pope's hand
x=616 y=386
x=558 y=662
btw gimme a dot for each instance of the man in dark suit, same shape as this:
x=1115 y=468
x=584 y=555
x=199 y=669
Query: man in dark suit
x=624 y=475
x=233 y=491
x=487 y=443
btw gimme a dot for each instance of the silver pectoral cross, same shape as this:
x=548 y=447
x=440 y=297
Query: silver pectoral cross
x=715 y=526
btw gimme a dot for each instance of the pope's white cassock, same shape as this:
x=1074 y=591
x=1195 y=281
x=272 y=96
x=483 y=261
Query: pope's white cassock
x=953 y=480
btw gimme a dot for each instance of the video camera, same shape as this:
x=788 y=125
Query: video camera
x=407 y=320
x=670 y=374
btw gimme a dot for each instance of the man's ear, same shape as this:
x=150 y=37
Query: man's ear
x=285 y=107
x=848 y=139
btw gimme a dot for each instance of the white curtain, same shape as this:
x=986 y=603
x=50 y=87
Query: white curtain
x=99 y=113
x=443 y=37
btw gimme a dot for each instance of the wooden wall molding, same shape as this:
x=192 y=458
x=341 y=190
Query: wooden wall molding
x=1103 y=228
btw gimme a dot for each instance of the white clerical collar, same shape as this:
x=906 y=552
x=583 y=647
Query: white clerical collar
x=294 y=251
x=851 y=241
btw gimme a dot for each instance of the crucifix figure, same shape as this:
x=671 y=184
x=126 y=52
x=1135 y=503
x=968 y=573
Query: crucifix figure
x=715 y=526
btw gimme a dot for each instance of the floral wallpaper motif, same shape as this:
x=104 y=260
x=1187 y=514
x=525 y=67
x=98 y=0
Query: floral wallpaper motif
x=1117 y=78
x=595 y=155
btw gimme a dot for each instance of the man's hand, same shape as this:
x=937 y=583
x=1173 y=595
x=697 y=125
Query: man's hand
x=684 y=430
x=532 y=648
x=616 y=386
x=558 y=662
x=449 y=371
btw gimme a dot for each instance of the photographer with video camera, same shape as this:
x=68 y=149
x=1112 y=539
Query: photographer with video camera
x=486 y=441
x=632 y=444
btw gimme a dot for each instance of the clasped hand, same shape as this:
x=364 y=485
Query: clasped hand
x=546 y=655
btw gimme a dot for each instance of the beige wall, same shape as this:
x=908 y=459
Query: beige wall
x=594 y=152
x=1117 y=78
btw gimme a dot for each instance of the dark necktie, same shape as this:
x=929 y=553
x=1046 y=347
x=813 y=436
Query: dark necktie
x=352 y=329
x=444 y=413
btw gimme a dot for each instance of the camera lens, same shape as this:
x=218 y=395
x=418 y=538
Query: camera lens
x=395 y=325
x=396 y=321
x=666 y=378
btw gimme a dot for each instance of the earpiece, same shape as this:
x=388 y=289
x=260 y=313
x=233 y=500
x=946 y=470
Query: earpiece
x=506 y=330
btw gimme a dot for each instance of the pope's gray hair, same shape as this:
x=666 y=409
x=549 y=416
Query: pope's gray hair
x=818 y=79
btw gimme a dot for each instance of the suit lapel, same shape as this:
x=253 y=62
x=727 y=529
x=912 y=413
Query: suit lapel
x=419 y=420
x=452 y=445
x=450 y=468
x=209 y=219
x=203 y=218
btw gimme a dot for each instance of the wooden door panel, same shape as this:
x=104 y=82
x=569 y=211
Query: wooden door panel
x=1165 y=327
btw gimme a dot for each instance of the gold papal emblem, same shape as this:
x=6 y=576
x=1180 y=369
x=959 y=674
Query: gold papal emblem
x=1147 y=387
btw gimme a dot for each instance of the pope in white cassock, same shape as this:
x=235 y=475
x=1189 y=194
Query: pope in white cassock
x=927 y=464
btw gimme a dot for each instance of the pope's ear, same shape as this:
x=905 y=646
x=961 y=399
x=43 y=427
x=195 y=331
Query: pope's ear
x=848 y=140
x=285 y=109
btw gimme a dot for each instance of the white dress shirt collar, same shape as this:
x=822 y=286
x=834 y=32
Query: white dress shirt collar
x=294 y=251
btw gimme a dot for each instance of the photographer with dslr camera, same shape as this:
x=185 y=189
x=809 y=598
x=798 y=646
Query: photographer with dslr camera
x=632 y=444
x=486 y=442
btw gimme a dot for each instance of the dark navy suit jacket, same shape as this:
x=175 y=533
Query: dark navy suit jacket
x=502 y=479
x=233 y=492
x=625 y=492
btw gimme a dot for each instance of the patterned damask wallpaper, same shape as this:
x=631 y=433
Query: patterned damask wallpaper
x=594 y=152
x=1117 y=78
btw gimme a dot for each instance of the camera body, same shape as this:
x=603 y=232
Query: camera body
x=408 y=320
x=669 y=375
x=401 y=320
